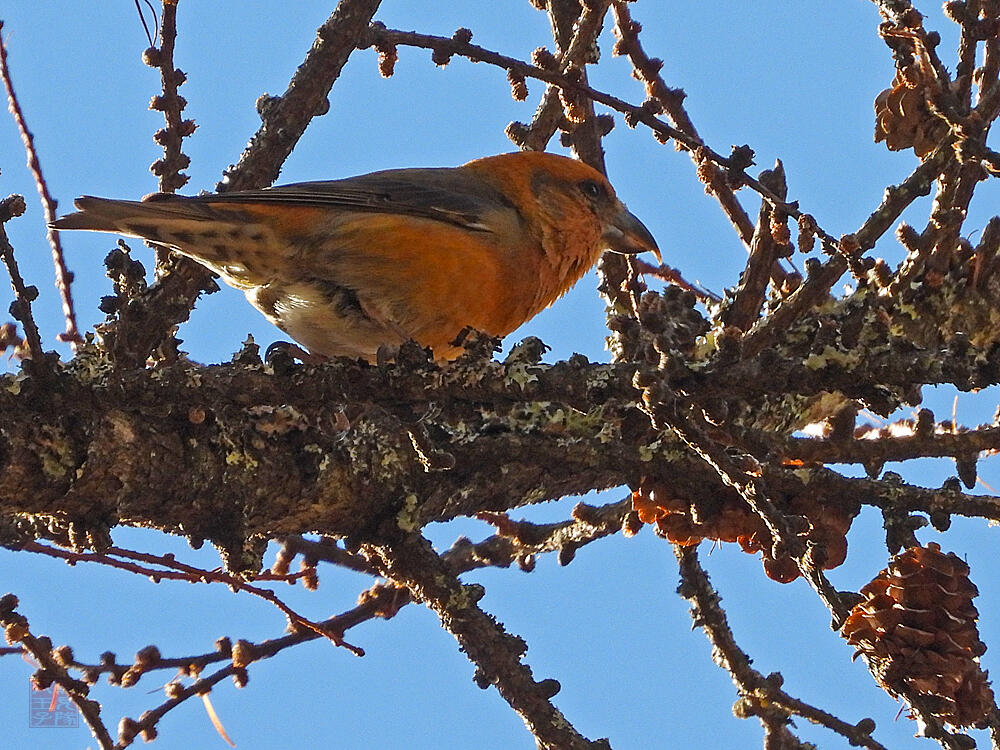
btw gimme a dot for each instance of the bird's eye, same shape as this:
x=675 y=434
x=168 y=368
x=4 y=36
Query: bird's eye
x=592 y=189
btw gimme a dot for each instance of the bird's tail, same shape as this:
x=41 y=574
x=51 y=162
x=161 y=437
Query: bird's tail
x=153 y=219
x=224 y=239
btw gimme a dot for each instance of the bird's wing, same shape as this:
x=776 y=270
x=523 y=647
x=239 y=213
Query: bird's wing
x=449 y=195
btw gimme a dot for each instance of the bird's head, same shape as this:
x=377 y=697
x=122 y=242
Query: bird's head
x=569 y=200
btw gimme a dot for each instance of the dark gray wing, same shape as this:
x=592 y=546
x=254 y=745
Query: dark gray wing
x=450 y=195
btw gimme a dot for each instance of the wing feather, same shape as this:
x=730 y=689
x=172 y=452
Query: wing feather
x=449 y=195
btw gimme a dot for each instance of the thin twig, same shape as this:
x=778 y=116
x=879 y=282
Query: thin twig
x=965 y=69
x=179 y=571
x=745 y=476
x=517 y=542
x=989 y=72
x=647 y=70
x=384 y=600
x=367 y=610
x=894 y=495
x=576 y=26
x=174 y=571
x=169 y=168
x=150 y=35
x=573 y=54
x=706 y=611
x=24 y=295
x=284 y=120
x=445 y=46
x=412 y=562
x=64 y=277
x=752 y=290
x=579 y=23
x=325 y=549
x=891 y=448
x=818 y=284
x=16 y=630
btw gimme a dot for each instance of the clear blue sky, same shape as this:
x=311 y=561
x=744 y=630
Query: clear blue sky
x=794 y=79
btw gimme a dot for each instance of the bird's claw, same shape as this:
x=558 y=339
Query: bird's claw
x=277 y=348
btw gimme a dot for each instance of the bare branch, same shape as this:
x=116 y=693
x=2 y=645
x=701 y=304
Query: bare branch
x=752 y=290
x=575 y=29
x=818 y=283
x=497 y=654
x=747 y=480
x=284 y=119
x=169 y=168
x=51 y=669
x=706 y=611
x=966 y=445
x=12 y=206
x=144 y=325
x=445 y=47
x=64 y=277
x=647 y=70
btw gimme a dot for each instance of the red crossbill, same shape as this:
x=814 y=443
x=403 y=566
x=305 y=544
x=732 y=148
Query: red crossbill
x=348 y=266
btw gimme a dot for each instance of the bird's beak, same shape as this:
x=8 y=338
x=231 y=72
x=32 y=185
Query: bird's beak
x=627 y=235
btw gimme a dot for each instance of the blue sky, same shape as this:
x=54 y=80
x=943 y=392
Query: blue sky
x=792 y=78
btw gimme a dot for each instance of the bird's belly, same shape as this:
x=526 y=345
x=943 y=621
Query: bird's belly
x=337 y=321
x=411 y=279
x=323 y=321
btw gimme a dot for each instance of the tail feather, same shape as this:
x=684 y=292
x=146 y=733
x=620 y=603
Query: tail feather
x=220 y=238
x=96 y=214
x=125 y=217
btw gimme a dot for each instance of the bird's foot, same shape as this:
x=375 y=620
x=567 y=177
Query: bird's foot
x=287 y=348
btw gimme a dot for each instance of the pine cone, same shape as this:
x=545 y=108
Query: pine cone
x=902 y=118
x=917 y=627
x=731 y=520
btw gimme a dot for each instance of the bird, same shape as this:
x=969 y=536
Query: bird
x=355 y=267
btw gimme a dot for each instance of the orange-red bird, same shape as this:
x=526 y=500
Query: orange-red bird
x=348 y=266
